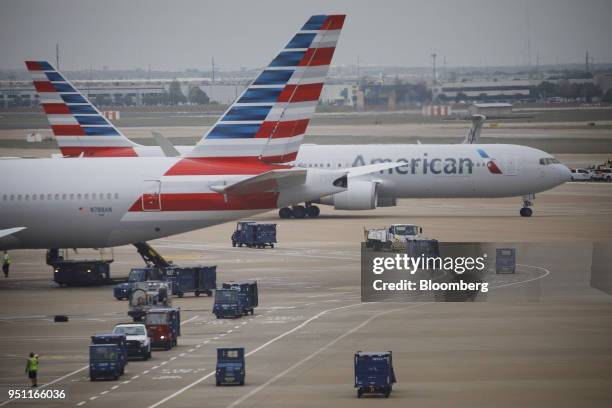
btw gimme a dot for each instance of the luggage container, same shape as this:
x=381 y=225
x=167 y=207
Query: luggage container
x=505 y=260
x=104 y=362
x=254 y=235
x=163 y=326
x=230 y=366
x=79 y=272
x=247 y=292
x=118 y=340
x=374 y=373
x=228 y=303
x=426 y=247
x=197 y=279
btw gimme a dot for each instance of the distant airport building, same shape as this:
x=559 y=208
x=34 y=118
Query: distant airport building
x=484 y=90
x=491 y=110
x=130 y=92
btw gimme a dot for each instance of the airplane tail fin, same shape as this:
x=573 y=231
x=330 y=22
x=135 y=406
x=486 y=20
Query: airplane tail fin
x=79 y=127
x=269 y=119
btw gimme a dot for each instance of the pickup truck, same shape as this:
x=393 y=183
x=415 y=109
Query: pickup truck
x=138 y=341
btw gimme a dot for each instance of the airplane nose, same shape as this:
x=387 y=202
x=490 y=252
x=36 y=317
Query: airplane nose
x=564 y=173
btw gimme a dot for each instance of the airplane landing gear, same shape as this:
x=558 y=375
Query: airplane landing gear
x=299 y=211
x=527 y=202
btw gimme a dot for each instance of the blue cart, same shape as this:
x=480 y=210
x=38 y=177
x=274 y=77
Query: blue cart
x=230 y=366
x=254 y=235
x=105 y=362
x=196 y=279
x=247 y=293
x=122 y=290
x=374 y=373
x=116 y=353
x=505 y=260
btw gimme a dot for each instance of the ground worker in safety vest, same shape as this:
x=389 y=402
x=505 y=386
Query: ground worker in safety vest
x=32 y=369
x=6 y=263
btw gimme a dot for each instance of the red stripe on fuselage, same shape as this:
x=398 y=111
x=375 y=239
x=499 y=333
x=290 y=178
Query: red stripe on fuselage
x=102 y=151
x=56 y=109
x=67 y=130
x=317 y=56
x=208 y=166
x=284 y=158
x=301 y=93
x=288 y=128
x=212 y=202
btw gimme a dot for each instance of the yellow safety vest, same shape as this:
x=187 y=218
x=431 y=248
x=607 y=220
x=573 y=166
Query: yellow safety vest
x=33 y=364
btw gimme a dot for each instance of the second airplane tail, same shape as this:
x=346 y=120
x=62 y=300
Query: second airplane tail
x=78 y=126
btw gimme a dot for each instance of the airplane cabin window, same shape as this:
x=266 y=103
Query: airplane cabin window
x=72 y=196
x=57 y=196
x=116 y=196
x=108 y=196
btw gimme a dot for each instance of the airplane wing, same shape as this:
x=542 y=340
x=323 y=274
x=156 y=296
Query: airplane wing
x=273 y=180
x=10 y=231
x=373 y=168
x=280 y=179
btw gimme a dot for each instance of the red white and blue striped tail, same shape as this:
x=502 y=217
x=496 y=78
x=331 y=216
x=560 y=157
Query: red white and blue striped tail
x=269 y=119
x=79 y=128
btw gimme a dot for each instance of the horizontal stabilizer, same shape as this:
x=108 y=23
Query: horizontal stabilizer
x=273 y=180
x=167 y=147
x=10 y=231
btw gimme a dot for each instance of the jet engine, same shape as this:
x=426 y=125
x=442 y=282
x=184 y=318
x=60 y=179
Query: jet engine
x=360 y=195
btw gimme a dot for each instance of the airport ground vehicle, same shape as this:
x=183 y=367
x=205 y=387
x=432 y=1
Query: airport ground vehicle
x=78 y=271
x=163 y=326
x=393 y=237
x=120 y=356
x=123 y=290
x=581 y=175
x=505 y=260
x=197 y=279
x=423 y=247
x=247 y=292
x=374 y=373
x=230 y=368
x=137 y=340
x=148 y=295
x=254 y=235
x=602 y=174
x=104 y=361
x=227 y=303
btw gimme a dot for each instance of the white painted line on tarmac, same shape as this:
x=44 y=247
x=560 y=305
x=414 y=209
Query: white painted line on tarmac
x=545 y=274
x=93 y=398
x=266 y=344
x=145 y=372
x=189 y=320
x=80 y=404
x=114 y=387
x=316 y=353
x=104 y=392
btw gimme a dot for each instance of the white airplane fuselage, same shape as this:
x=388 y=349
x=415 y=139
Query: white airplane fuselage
x=104 y=202
x=449 y=171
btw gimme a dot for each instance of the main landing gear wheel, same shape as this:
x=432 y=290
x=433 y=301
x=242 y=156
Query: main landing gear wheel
x=285 y=212
x=526 y=212
x=312 y=211
x=299 y=212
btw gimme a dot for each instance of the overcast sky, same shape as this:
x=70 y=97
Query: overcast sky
x=175 y=34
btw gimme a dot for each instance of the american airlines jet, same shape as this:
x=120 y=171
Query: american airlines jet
x=445 y=171
x=231 y=173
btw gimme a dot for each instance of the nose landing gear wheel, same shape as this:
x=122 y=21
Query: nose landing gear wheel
x=526 y=212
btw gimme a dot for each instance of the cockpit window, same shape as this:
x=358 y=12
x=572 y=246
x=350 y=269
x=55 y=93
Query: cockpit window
x=548 y=160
